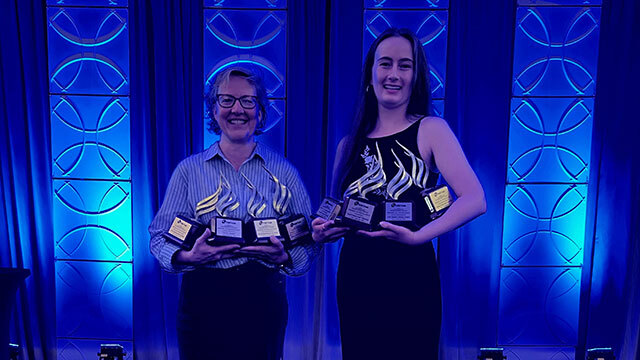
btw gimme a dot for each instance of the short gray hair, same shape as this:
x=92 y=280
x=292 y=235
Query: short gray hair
x=223 y=78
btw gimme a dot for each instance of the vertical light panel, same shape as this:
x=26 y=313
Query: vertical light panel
x=88 y=51
x=250 y=33
x=550 y=130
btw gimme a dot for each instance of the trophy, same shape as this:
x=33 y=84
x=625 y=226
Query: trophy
x=438 y=198
x=394 y=211
x=259 y=230
x=226 y=230
x=294 y=228
x=358 y=212
x=329 y=209
x=184 y=231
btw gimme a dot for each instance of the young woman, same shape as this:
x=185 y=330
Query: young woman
x=388 y=281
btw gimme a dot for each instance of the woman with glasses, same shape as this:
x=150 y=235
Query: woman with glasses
x=388 y=282
x=233 y=303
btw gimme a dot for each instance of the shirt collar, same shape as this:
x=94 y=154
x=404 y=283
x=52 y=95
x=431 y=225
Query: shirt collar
x=214 y=150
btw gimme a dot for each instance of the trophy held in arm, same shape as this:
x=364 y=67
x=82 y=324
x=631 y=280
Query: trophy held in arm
x=294 y=228
x=259 y=230
x=394 y=211
x=225 y=229
x=358 y=212
x=437 y=198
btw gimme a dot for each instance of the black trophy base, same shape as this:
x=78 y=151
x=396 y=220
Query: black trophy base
x=438 y=200
x=184 y=232
x=295 y=230
x=359 y=214
x=329 y=209
x=259 y=231
x=226 y=231
x=402 y=213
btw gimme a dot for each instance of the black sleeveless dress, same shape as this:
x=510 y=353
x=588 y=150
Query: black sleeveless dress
x=389 y=293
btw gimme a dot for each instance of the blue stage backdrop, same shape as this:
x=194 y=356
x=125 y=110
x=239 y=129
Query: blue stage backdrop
x=88 y=53
x=549 y=156
x=551 y=269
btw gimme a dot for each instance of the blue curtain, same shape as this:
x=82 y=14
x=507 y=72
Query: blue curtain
x=613 y=317
x=166 y=118
x=25 y=173
x=477 y=98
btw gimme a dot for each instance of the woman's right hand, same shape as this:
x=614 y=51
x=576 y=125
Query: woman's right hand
x=324 y=231
x=202 y=253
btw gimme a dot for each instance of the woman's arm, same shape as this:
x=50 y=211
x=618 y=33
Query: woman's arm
x=438 y=140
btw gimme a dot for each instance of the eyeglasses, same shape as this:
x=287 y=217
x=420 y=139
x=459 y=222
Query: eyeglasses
x=227 y=101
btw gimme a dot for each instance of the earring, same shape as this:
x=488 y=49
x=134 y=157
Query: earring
x=368 y=88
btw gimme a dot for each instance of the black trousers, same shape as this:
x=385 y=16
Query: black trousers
x=238 y=313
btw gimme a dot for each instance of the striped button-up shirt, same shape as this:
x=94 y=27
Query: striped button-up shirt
x=198 y=176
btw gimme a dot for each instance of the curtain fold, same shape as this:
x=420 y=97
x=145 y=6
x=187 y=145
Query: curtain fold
x=25 y=174
x=167 y=122
x=477 y=102
x=614 y=305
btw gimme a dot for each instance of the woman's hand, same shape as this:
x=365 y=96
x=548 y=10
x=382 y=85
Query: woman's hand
x=393 y=232
x=324 y=231
x=273 y=252
x=202 y=253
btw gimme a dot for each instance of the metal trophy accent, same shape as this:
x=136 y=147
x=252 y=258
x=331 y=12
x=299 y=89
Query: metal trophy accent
x=438 y=198
x=294 y=228
x=358 y=212
x=226 y=230
x=258 y=229
x=394 y=211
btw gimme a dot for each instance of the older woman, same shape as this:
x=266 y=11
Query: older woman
x=388 y=281
x=233 y=303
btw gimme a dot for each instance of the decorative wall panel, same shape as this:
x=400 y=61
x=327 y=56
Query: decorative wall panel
x=538 y=306
x=93 y=300
x=407 y=4
x=555 y=52
x=544 y=225
x=550 y=139
x=90 y=137
x=539 y=353
x=92 y=220
x=76 y=349
x=88 y=50
x=240 y=4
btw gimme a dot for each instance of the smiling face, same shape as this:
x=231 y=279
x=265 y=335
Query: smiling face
x=237 y=124
x=392 y=72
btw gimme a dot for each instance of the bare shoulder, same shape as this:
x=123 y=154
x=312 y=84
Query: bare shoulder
x=433 y=125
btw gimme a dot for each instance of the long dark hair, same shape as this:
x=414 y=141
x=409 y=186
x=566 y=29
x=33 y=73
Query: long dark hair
x=367 y=112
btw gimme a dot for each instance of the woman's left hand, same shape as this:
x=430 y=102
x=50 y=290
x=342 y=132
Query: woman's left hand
x=393 y=232
x=273 y=252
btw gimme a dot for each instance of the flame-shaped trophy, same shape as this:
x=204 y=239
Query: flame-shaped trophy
x=184 y=230
x=437 y=198
x=259 y=229
x=226 y=229
x=358 y=212
x=395 y=211
x=294 y=228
